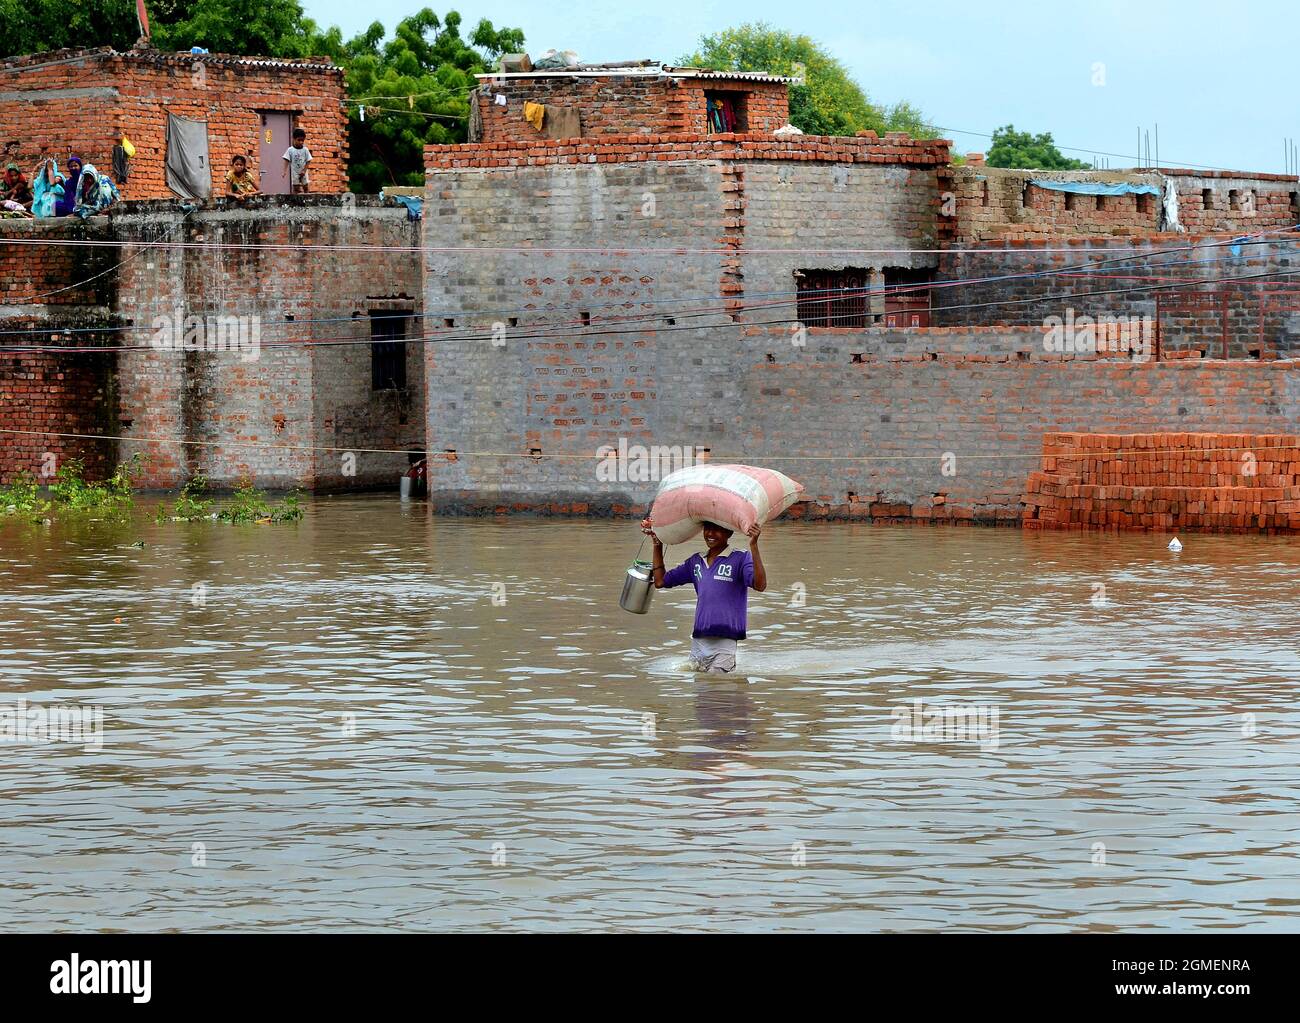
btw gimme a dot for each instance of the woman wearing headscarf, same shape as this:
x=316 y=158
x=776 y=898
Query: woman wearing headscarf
x=47 y=189
x=71 y=181
x=95 y=192
x=14 y=187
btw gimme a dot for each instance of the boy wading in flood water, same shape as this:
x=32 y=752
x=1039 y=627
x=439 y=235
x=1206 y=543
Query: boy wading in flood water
x=722 y=583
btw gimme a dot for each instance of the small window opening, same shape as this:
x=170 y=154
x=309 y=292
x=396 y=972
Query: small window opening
x=726 y=112
x=387 y=350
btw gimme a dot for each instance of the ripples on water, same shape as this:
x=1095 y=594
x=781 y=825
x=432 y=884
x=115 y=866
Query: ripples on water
x=544 y=763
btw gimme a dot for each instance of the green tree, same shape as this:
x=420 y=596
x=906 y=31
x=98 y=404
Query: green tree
x=1024 y=151
x=34 y=26
x=416 y=91
x=264 y=28
x=829 y=103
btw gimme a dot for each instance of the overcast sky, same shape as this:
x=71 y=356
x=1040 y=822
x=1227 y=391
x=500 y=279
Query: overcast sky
x=1219 y=78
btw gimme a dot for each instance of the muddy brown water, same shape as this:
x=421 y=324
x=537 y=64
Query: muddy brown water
x=380 y=719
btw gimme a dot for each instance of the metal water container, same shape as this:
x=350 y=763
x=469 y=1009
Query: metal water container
x=404 y=487
x=638 y=588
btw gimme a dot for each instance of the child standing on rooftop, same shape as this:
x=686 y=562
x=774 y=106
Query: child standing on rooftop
x=297 y=156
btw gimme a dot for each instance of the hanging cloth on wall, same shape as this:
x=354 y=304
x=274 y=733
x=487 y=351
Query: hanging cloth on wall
x=121 y=164
x=188 y=170
x=475 y=119
x=534 y=114
x=1169 y=208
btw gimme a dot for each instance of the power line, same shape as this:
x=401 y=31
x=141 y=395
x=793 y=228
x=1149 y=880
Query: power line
x=589 y=333
x=810 y=294
x=143 y=245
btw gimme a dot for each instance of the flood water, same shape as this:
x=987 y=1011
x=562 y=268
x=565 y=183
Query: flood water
x=379 y=719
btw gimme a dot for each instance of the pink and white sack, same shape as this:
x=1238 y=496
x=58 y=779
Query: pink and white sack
x=734 y=496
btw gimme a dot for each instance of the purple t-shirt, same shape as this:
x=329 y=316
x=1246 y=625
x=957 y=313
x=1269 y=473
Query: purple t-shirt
x=721 y=592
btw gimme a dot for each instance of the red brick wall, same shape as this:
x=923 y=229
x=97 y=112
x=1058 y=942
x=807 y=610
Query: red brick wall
x=59 y=393
x=134 y=93
x=625 y=105
x=32 y=273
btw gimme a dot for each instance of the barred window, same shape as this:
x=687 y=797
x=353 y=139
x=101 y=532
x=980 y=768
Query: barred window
x=833 y=298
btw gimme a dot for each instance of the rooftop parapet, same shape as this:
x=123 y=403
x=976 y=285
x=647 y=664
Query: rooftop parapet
x=896 y=149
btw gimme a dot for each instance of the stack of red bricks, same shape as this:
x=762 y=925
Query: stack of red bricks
x=1201 y=482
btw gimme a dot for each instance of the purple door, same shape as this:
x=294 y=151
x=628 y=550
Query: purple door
x=276 y=136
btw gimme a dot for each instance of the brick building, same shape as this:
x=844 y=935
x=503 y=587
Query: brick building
x=85 y=101
x=652 y=99
x=323 y=291
x=846 y=310
x=849 y=310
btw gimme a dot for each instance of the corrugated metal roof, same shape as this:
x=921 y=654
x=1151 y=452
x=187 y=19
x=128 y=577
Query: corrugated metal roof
x=740 y=76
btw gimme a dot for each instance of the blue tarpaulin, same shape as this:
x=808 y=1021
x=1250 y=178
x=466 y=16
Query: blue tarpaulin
x=413 y=203
x=1095 y=187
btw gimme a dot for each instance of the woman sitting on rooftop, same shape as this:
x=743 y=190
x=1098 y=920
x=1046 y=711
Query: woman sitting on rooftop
x=47 y=189
x=95 y=192
x=14 y=187
x=68 y=202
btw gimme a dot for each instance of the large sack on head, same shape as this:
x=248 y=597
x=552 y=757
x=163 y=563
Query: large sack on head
x=734 y=496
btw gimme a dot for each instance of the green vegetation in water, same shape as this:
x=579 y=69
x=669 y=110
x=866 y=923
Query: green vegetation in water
x=21 y=499
x=72 y=493
x=190 y=506
x=251 y=505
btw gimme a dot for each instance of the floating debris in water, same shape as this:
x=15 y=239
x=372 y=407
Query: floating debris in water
x=1175 y=544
